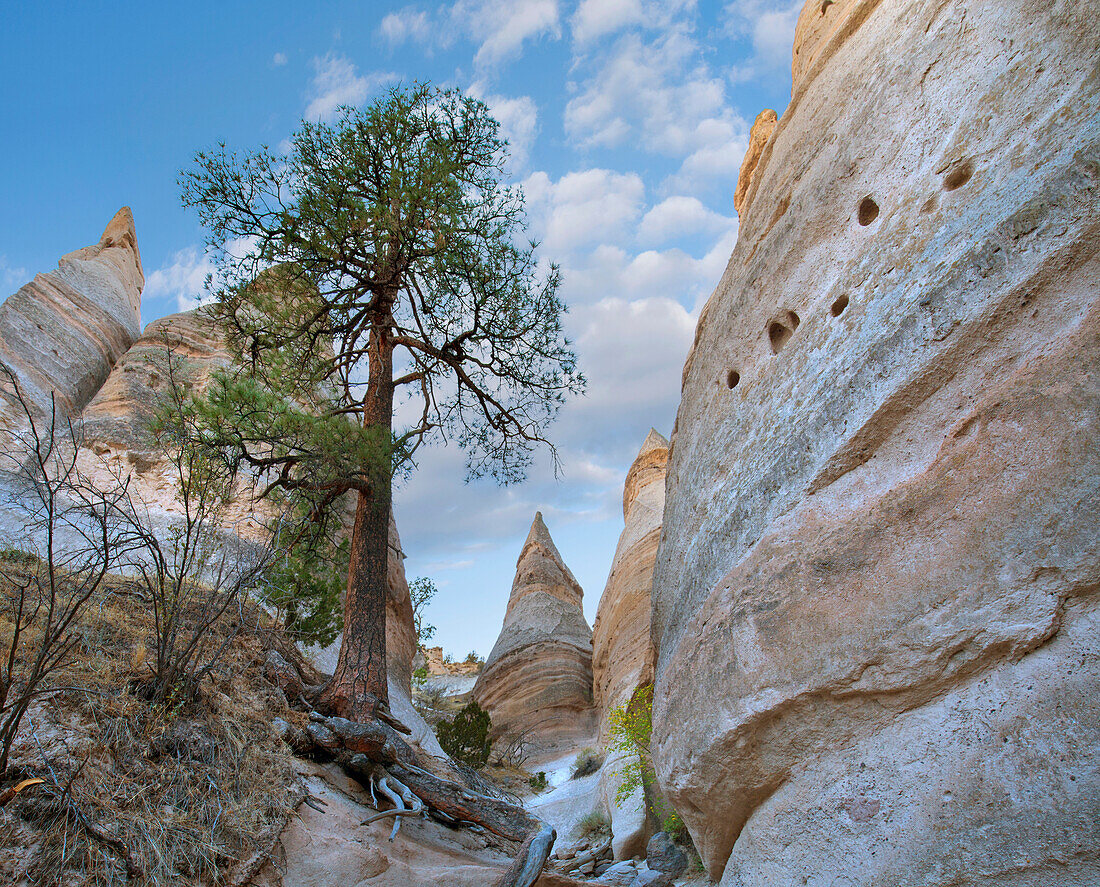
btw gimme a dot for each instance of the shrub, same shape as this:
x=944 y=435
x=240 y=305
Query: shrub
x=466 y=738
x=588 y=762
x=595 y=823
x=539 y=782
x=472 y=658
x=631 y=726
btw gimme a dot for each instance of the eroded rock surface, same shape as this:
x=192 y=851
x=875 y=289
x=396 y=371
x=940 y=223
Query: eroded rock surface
x=62 y=333
x=538 y=677
x=875 y=593
x=622 y=652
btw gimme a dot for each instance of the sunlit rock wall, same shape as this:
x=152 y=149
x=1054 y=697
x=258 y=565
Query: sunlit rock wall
x=875 y=599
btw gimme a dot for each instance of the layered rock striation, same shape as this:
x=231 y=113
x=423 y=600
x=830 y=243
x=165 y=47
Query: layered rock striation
x=622 y=651
x=538 y=678
x=875 y=597
x=61 y=334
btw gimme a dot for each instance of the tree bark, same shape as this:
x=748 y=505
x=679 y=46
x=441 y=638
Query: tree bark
x=359 y=684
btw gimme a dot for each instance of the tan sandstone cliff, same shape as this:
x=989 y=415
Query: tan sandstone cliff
x=622 y=653
x=875 y=599
x=64 y=331
x=116 y=439
x=538 y=677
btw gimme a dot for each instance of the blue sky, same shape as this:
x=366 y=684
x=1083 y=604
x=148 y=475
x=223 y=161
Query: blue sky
x=628 y=121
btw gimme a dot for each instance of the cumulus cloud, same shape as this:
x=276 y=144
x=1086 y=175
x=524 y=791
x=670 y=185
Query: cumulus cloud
x=597 y=18
x=678 y=216
x=582 y=208
x=501 y=27
x=279 y=59
x=337 y=82
x=661 y=95
x=518 y=118
x=408 y=24
x=769 y=25
x=182 y=280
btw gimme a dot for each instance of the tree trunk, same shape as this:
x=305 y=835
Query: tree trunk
x=359 y=684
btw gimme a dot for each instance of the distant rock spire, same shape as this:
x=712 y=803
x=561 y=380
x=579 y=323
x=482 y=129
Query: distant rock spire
x=538 y=676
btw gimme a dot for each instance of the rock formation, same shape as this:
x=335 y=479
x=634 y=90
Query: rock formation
x=622 y=653
x=875 y=594
x=116 y=439
x=62 y=333
x=538 y=677
x=762 y=129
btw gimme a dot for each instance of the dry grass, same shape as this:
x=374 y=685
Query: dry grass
x=138 y=793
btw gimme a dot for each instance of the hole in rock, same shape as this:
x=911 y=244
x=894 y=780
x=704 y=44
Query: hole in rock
x=781 y=329
x=838 y=306
x=958 y=175
x=868 y=211
x=825 y=4
x=732 y=378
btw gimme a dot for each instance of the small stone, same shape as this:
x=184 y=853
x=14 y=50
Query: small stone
x=588 y=868
x=649 y=878
x=663 y=855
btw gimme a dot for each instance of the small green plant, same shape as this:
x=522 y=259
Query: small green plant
x=448 y=659
x=588 y=761
x=539 y=782
x=421 y=592
x=472 y=658
x=466 y=738
x=595 y=823
x=420 y=677
x=631 y=726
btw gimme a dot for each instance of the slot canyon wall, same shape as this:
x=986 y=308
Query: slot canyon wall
x=875 y=595
x=622 y=652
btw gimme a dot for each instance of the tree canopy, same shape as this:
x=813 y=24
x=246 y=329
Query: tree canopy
x=378 y=265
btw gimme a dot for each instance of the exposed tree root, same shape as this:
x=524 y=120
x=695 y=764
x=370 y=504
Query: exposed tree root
x=377 y=755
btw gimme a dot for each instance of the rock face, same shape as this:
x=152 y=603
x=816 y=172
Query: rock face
x=66 y=329
x=538 y=677
x=622 y=653
x=116 y=439
x=762 y=129
x=875 y=598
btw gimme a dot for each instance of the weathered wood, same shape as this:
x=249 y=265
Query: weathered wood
x=531 y=859
x=499 y=817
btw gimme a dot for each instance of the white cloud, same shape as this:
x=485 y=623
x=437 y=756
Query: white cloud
x=769 y=24
x=182 y=280
x=582 y=208
x=12 y=278
x=406 y=24
x=337 y=82
x=659 y=94
x=678 y=216
x=503 y=26
x=518 y=118
x=279 y=59
x=594 y=18
x=597 y=18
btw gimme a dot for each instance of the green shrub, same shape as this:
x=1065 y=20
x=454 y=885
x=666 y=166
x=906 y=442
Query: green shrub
x=588 y=761
x=595 y=823
x=466 y=738
x=631 y=726
x=539 y=782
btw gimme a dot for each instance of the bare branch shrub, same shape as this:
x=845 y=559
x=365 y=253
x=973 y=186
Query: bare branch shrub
x=71 y=539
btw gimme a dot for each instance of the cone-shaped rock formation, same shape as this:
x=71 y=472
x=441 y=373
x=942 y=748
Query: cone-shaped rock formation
x=538 y=677
x=62 y=333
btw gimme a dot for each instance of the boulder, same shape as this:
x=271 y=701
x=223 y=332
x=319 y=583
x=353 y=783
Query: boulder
x=62 y=333
x=662 y=855
x=538 y=677
x=875 y=596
